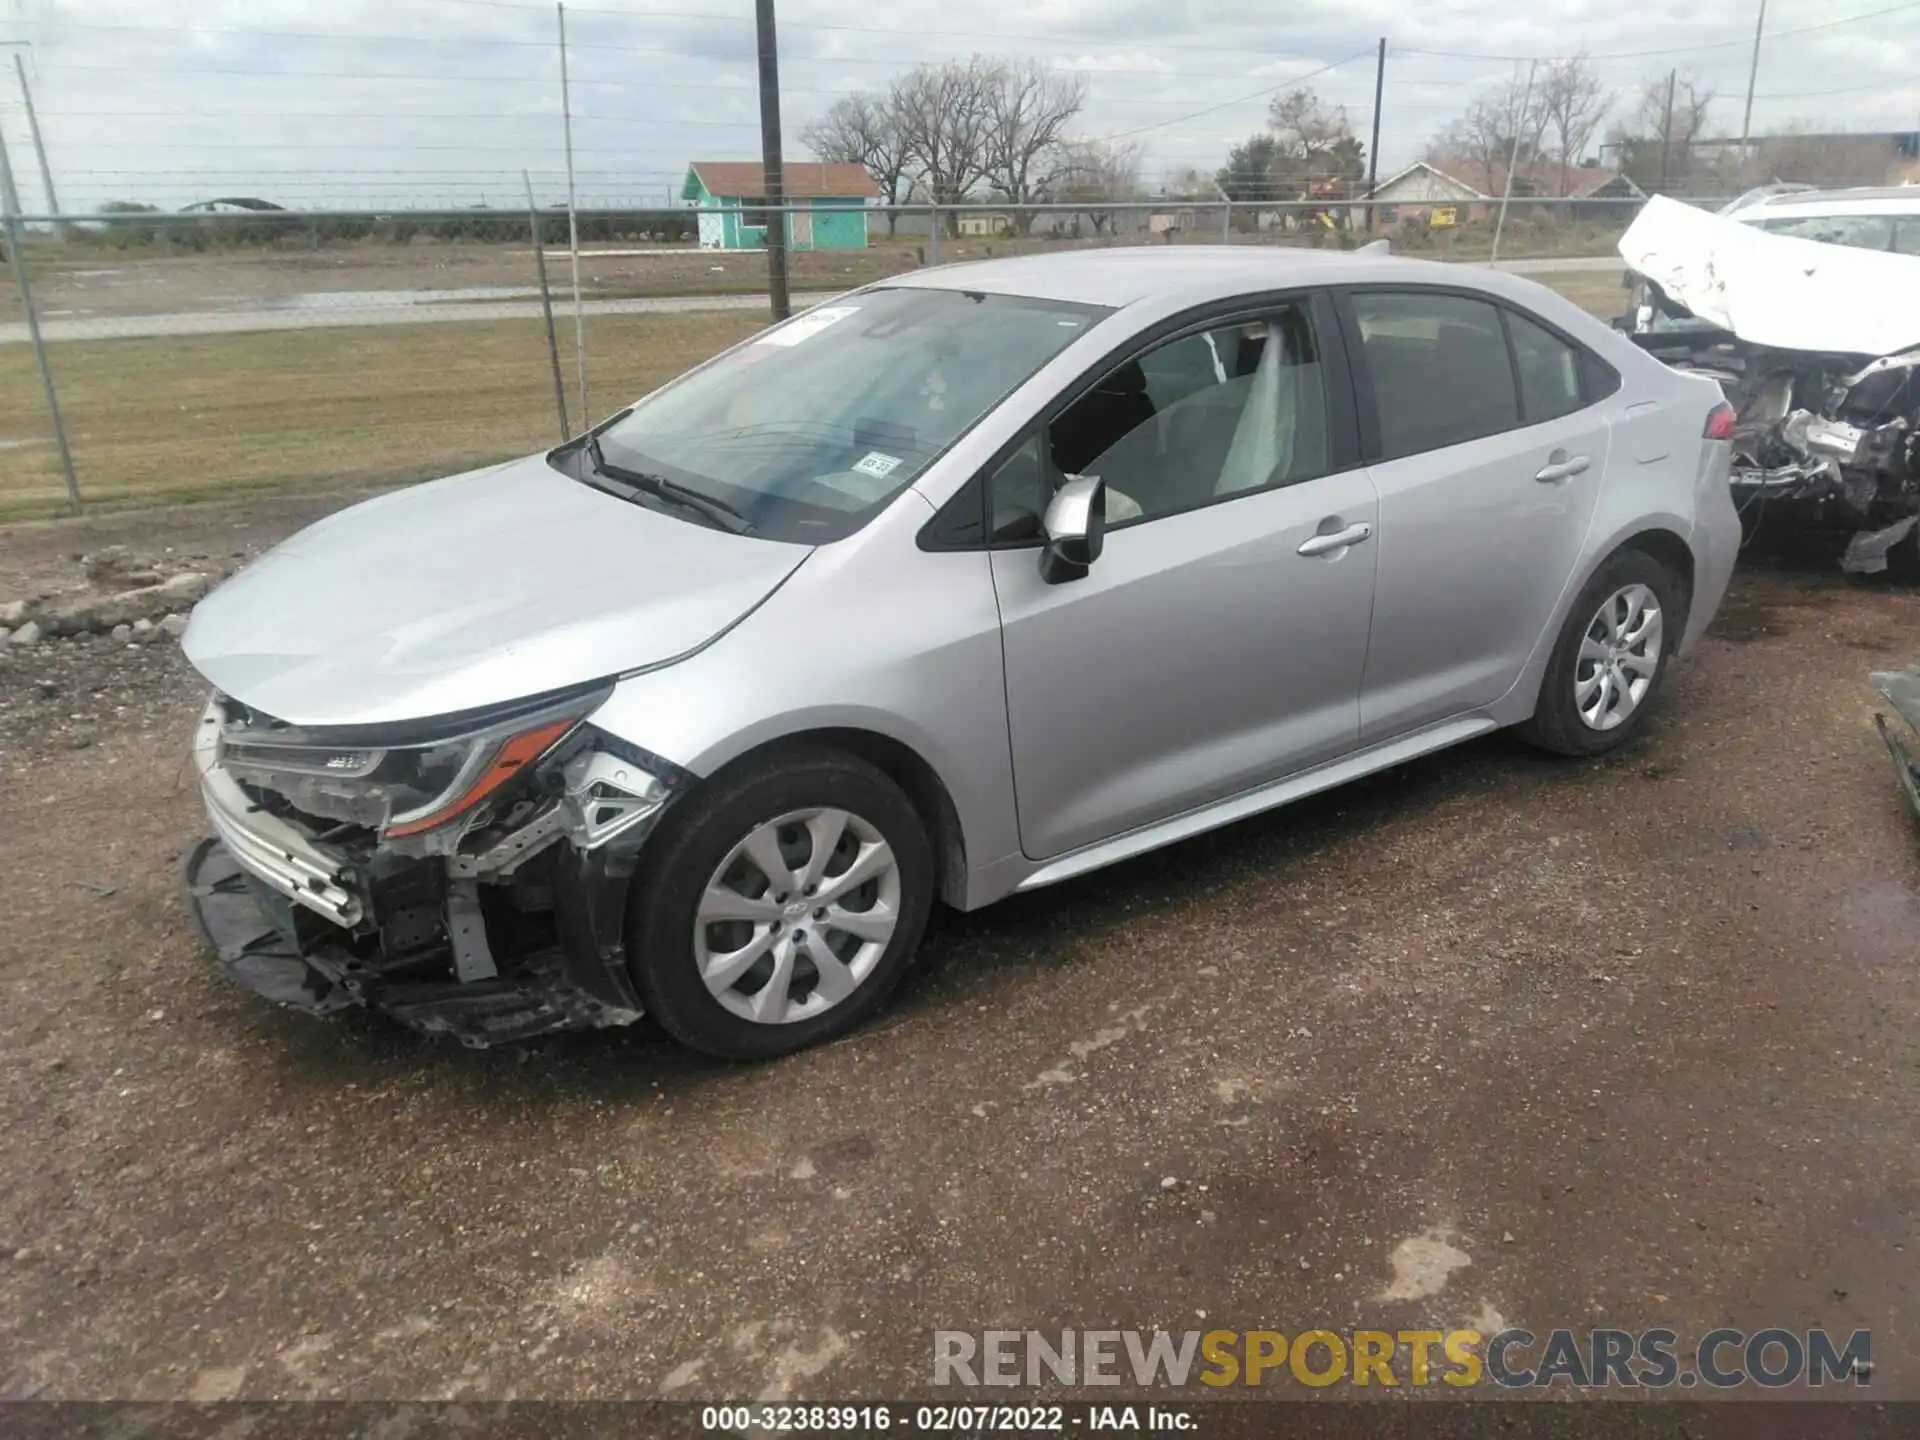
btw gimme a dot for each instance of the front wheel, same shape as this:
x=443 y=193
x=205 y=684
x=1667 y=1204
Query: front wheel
x=1611 y=657
x=778 y=910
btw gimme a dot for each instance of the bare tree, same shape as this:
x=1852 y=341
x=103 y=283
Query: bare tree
x=1656 y=139
x=1573 y=102
x=1501 y=123
x=1029 y=106
x=1100 y=172
x=943 y=115
x=860 y=129
x=1312 y=142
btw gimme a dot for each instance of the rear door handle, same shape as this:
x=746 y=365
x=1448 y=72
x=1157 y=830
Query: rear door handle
x=1561 y=466
x=1338 y=540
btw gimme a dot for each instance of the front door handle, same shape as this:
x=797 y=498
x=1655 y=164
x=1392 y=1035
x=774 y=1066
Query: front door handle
x=1561 y=466
x=1338 y=540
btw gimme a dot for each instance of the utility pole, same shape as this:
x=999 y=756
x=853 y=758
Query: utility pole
x=573 y=228
x=1373 y=146
x=1753 y=73
x=1666 y=133
x=776 y=231
x=1513 y=158
x=39 y=146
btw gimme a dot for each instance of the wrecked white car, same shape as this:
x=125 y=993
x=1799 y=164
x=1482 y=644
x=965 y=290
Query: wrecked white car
x=1817 y=345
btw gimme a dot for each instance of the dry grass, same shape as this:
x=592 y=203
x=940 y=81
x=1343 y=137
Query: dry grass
x=167 y=420
x=162 y=421
x=1598 y=292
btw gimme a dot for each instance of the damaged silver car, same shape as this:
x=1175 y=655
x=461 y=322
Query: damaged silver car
x=967 y=583
x=1816 y=342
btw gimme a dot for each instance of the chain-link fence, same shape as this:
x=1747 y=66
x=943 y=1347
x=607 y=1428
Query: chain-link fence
x=203 y=355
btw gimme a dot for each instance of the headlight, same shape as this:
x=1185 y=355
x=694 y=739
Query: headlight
x=390 y=781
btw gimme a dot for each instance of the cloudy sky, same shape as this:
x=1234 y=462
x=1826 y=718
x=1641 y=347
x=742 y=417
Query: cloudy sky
x=394 y=102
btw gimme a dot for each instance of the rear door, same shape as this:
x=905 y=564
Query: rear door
x=1487 y=454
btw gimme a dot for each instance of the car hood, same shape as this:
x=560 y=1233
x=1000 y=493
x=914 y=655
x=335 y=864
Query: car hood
x=1777 y=290
x=473 y=591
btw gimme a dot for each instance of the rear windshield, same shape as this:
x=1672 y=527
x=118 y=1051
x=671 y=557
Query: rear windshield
x=809 y=430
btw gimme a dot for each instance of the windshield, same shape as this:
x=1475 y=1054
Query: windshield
x=806 y=432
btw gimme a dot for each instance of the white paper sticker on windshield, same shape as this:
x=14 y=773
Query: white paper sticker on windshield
x=804 y=327
x=874 y=463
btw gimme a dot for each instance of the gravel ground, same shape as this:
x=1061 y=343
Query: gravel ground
x=1625 y=1034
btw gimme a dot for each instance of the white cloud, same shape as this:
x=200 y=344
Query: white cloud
x=332 y=102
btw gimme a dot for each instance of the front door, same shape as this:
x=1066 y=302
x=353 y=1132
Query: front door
x=801 y=229
x=1219 y=640
x=1491 y=462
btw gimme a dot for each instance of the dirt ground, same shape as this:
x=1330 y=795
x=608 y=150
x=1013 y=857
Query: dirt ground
x=1636 y=1037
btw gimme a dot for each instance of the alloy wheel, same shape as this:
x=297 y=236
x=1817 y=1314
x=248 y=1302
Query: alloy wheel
x=797 y=916
x=1619 y=657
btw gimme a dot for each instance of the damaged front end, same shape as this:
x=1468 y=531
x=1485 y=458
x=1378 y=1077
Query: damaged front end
x=469 y=881
x=1835 y=436
x=1902 y=691
x=1817 y=347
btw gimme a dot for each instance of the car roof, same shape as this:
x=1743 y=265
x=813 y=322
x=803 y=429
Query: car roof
x=1867 y=200
x=1122 y=275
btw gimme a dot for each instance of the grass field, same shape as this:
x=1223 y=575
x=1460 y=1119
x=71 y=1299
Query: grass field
x=168 y=420
x=163 y=421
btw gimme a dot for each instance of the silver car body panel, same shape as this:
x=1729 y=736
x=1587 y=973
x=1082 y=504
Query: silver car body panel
x=1161 y=681
x=469 y=592
x=1068 y=725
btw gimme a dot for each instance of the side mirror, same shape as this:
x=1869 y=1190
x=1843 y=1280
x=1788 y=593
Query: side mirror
x=1076 y=528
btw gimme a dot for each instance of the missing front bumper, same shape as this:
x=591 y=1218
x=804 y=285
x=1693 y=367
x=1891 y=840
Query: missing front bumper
x=257 y=939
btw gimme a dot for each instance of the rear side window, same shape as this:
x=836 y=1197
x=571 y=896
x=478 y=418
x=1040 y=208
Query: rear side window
x=1441 y=373
x=1858 y=232
x=1549 y=371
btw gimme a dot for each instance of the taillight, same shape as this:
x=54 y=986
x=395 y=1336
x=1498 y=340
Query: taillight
x=1720 y=422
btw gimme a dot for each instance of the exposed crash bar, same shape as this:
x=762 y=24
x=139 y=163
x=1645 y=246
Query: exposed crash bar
x=269 y=848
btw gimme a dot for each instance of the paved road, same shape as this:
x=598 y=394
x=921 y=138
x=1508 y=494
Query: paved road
x=404 y=312
x=1490 y=1038
x=230 y=322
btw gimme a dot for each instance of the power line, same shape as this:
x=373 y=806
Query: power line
x=1745 y=40
x=544 y=44
x=1241 y=100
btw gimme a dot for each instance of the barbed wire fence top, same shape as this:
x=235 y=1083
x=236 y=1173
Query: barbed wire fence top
x=293 y=247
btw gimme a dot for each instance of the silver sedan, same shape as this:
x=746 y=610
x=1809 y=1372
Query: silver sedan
x=969 y=582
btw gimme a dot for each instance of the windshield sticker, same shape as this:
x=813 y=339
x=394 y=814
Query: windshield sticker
x=874 y=463
x=802 y=328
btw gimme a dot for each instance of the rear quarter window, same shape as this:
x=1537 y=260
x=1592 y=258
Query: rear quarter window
x=1440 y=369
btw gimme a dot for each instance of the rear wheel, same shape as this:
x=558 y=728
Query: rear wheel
x=779 y=910
x=1611 y=657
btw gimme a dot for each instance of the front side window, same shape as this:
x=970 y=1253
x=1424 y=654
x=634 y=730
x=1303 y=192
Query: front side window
x=808 y=431
x=1201 y=418
x=1441 y=374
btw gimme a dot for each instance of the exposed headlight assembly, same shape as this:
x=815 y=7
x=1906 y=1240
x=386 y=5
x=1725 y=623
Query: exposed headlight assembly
x=400 y=780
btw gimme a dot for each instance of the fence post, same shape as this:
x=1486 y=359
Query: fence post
x=933 y=233
x=546 y=308
x=16 y=254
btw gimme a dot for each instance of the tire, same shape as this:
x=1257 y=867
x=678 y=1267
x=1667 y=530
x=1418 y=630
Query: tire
x=698 y=860
x=1557 y=723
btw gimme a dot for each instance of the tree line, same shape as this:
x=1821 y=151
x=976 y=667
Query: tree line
x=979 y=129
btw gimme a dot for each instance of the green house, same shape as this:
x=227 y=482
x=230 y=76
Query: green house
x=827 y=204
